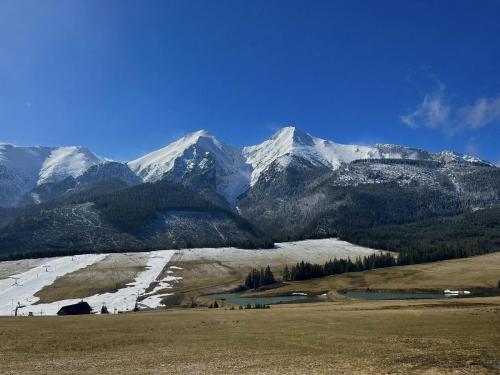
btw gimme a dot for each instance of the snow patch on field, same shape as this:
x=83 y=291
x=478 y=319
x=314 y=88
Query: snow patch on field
x=316 y=251
x=122 y=300
x=22 y=287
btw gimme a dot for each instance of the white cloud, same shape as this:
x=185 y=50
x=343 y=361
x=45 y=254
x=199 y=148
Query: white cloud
x=483 y=112
x=434 y=112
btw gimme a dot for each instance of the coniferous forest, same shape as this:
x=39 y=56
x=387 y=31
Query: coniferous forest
x=469 y=234
x=306 y=270
x=258 y=278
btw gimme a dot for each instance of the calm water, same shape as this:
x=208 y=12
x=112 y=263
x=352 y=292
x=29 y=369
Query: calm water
x=392 y=295
x=237 y=299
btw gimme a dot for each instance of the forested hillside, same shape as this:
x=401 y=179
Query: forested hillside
x=147 y=216
x=435 y=239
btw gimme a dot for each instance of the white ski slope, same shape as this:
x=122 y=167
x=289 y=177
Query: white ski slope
x=122 y=300
x=21 y=288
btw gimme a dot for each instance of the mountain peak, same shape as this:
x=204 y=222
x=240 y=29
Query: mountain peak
x=67 y=161
x=199 y=133
x=191 y=155
x=293 y=135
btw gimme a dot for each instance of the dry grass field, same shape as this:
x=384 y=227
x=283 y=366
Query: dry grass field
x=108 y=275
x=459 y=336
x=424 y=337
x=467 y=273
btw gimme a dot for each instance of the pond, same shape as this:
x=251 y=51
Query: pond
x=238 y=299
x=373 y=295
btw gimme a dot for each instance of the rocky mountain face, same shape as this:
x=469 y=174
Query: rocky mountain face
x=198 y=191
x=98 y=179
x=294 y=203
x=198 y=154
x=24 y=168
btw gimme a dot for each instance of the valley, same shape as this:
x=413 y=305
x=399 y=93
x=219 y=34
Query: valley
x=339 y=335
x=154 y=245
x=122 y=280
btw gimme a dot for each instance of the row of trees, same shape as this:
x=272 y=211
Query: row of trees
x=306 y=270
x=257 y=278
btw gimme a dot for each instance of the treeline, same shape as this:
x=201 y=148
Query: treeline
x=258 y=278
x=306 y=270
x=437 y=239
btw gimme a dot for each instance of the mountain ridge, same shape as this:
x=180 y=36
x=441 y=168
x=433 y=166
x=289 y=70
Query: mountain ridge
x=198 y=191
x=199 y=158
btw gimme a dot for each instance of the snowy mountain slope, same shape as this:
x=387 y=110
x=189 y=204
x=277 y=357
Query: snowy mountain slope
x=291 y=142
x=23 y=168
x=19 y=168
x=98 y=179
x=67 y=161
x=203 y=162
x=197 y=153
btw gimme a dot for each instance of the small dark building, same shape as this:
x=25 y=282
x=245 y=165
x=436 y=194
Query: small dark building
x=79 y=308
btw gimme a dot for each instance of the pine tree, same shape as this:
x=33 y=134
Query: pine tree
x=286 y=273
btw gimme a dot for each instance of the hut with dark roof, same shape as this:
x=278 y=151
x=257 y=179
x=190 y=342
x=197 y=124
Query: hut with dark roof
x=80 y=308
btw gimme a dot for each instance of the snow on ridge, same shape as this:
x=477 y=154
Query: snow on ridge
x=196 y=151
x=152 y=166
x=292 y=141
x=67 y=161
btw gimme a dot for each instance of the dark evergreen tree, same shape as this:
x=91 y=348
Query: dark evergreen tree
x=257 y=278
x=286 y=273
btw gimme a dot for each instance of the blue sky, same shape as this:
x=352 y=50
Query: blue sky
x=126 y=77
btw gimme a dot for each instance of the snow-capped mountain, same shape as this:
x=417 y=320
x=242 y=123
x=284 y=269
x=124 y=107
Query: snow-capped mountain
x=291 y=186
x=291 y=142
x=236 y=170
x=23 y=168
x=67 y=161
x=197 y=153
x=202 y=161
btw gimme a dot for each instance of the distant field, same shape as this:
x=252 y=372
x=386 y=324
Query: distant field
x=200 y=270
x=215 y=269
x=467 y=273
x=426 y=337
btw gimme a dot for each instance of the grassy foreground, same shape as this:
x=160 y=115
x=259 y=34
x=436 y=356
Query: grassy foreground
x=461 y=336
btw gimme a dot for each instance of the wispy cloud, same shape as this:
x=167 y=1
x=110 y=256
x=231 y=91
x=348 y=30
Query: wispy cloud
x=472 y=147
x=483 y=112
x=435 y=112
